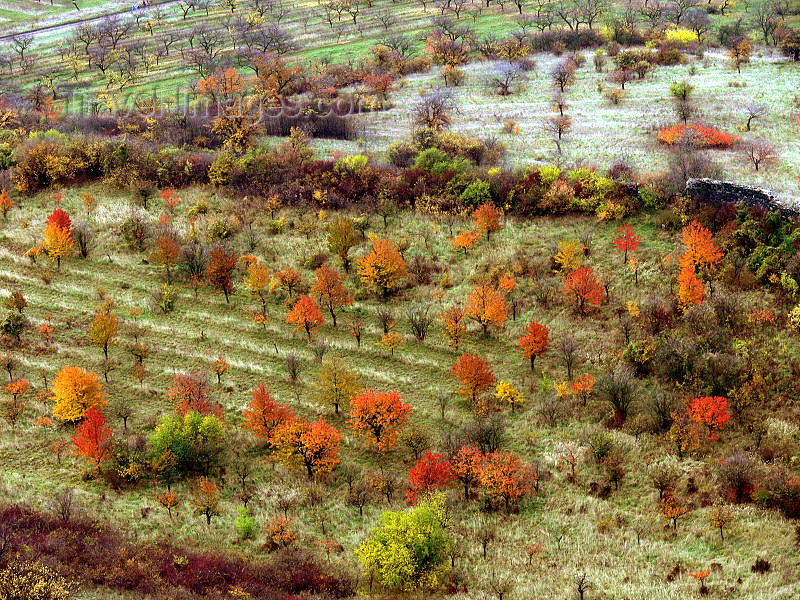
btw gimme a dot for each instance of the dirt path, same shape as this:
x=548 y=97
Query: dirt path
x=69 y=25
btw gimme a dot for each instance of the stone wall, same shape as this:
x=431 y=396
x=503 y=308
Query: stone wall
x=710 y=191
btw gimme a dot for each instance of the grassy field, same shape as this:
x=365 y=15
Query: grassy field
x=577 y=530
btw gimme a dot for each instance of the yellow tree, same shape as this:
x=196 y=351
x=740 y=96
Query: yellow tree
x=383 y=268
x=258 y=282
x=57 y=242
x=336 y=383
x=104 y=328
x=74 y=391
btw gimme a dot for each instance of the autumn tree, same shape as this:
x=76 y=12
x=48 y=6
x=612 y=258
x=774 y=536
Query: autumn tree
x=336 y=383
x=289 y=279
x=166 y=253
x=328 y=289
x=314 y=446
x=465 y=240
x=740 y=54
x=535 y=341
x=57 y=242
x=453 y=326
x=700 y=251
x=219 y=367
x=474 y=374
x=507 y=393
x=410 y=549
x=486 y=306
x=6 y=203
x=104 y=328
x=504 y=476
x=190 y=393
x=582 y=286
x=672 y=508
x=206 y=499
x=258 y=281
x=74 y=391
x=342 y=237
x=432 y=472
x=306 y=316
x=221 y=263
x=691 y=290
x=92 y=439
x=264 y=415
x=379 y=416
x=383 y=269
x=627 y=240
x=487 y=220
x=711 y=412
x=466 y=465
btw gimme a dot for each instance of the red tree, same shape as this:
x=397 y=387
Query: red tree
x=627 y=240
x=60 y=219
x=431 y=472
x=190 y=393
x=711 y=411
x=263 y=414
x=93 y=439
x=379 y=416
x=221 y=263
x=535 y=341
x=474 y=374
x=582 y=286
x=306 y=315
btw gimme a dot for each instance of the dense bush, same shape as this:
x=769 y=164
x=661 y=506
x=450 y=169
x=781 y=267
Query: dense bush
x=90 y=553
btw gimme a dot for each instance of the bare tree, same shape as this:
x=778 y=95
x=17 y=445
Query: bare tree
x=506 y=77
x=753 y=110
x=563 y=73
x=433 y=110
x=759 y=153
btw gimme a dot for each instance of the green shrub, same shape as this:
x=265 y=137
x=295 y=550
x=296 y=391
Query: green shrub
x=476 y=193
x=245 y=525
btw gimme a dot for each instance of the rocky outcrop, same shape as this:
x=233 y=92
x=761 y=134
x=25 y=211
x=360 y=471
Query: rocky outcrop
x=717 y=193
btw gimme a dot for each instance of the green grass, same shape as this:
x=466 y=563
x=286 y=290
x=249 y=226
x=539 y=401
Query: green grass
x=201 y=329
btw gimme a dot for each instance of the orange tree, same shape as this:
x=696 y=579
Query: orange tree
x=314 y=446
x=466 y=464
x=328 y=289
x=487 y=219
x=535 y=341
x=505 y=477
x=453 y=326
x=711 y=411
x=74 y=391
x=166 y=253
x=626 y=241
x=582 y=286
x=379 y=416
x=485 y=306
x=474 y=374
x=221 y=263
x=263 y=415
x=383 y=269
x=306 y=316
x=190 y=393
